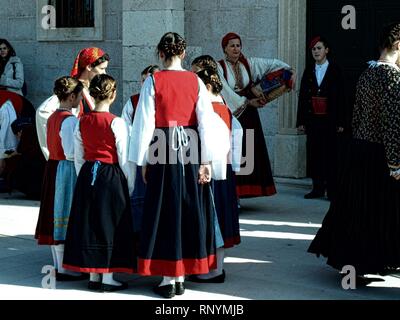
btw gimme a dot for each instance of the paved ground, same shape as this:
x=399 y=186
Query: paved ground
x=270 y=264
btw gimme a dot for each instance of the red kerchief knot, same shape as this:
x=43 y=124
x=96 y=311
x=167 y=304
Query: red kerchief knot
x=85 y=58
x=314 y=41
x=229 y=36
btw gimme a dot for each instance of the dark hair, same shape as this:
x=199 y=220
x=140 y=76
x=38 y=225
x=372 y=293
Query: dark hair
x=100 y=60
x=11 y=52
x=20 y=123
x=65 y=86
x=205 y=62
x=171 y=44
x=389 y=35
x=150 y=69
x=102 y=87
x=212 y=78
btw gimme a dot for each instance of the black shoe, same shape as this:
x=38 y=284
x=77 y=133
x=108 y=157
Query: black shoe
x=167 y=291
x=94 y=285
x=112 y=288
x=69 y=277
x=217 y=279
x=314 y=195
x=179 y=288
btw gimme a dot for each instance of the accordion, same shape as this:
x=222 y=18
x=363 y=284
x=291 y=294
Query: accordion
x=274 y=84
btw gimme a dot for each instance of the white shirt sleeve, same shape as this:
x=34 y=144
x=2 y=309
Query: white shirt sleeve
x=43 y=113
x=236 y=144
x=143 y=125
x=67 y=136
x=120 y=130
x=233 y=100
x=127 y=112
x=214 y=134
x=79 y=152
x=260 y=66
x=8 y=140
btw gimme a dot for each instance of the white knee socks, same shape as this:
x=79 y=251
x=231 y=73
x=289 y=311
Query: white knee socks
x=108 y=279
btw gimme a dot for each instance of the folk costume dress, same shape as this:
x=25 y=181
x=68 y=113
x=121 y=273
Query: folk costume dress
x=322 y=83
x=174 y=130
x=59 y=180
x=362 y=225
x=225 y=196
x=236 y=83
x=100 y=232
x=137 y=197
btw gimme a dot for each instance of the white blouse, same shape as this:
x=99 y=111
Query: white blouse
x=214 y=134
x=258 y=67
x=120 y=130
x=67 y=136
x=8 y=140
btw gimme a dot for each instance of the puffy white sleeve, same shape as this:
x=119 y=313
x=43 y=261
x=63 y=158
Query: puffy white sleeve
x=8 y=140
x=214 y=134
x=67 y=136
x=43 y=113
x=233 y=100
x=127 y=112
x=79 y=152
x=260 y=66
x=143 y=125
x=236 y=144
x=120 y=130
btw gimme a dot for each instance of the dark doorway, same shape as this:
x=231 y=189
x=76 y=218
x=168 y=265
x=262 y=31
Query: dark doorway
x=351 y=49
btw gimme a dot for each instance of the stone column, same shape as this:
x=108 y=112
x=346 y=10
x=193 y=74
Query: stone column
x=290 y=146
x=143 y=24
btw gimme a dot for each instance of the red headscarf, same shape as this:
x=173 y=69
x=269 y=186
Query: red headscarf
x=229 y=36
x=85 y=58
x=314 y=41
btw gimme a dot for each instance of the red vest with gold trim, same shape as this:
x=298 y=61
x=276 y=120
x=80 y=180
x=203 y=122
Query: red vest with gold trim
x=56 y=151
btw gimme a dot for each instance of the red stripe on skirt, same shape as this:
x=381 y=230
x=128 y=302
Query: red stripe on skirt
x=98 y=270
x=255 y=191
x=149 y=267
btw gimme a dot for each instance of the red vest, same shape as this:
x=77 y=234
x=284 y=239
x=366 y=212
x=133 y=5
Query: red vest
x=134 y=101
x=85 y=106
x=16 y=100
x=56 y=151
x=176 y=95
x=225 y=114
x=98 y=137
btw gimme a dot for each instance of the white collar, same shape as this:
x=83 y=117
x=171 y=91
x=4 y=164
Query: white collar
x=324 y=65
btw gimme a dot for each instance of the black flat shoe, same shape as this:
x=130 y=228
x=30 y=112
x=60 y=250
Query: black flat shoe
x=167 y=291
x=68 y=277
x=94 y=285
x=217 y=279
x=112 y=288
x=179 y=288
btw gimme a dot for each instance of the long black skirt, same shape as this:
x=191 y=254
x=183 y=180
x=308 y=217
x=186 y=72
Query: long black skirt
x=177 y=235
x=259 y=182
x=226 y=205
x=100 y=236
x=362 y=226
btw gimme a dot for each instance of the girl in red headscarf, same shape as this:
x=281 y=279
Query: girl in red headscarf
x=238 y=74
x=88 y=63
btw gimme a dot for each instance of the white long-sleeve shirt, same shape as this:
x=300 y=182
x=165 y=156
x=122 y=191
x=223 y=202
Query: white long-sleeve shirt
x=8 y=140
x=214 y=135
x=67 y=137
x=258 y=67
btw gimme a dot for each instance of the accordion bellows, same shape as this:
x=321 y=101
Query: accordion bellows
x=274 y=84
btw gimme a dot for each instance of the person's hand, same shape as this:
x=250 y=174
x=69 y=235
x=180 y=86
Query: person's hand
x=144 y=172
x=204 y=173
x=257 y=102
x=395 y=174
x=340 y=130
x=301 y=128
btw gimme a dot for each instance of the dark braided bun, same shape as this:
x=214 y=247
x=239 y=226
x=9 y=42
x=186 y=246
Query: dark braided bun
x=205 y=62
x=102 y=87
x=65 y=86
x=212 y=78
x=389 y=35
x=171 y=44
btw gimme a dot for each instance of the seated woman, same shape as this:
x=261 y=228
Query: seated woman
x=11 y=69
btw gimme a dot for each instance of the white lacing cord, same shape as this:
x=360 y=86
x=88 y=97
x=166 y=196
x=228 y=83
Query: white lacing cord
x=182 y=141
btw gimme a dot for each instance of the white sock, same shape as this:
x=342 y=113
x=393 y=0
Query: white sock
x=220 y=266
x=108 y=279
x=95 y=277
x=59 y=250
x=180 y=279
x=54 y=255
x=166 y=281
